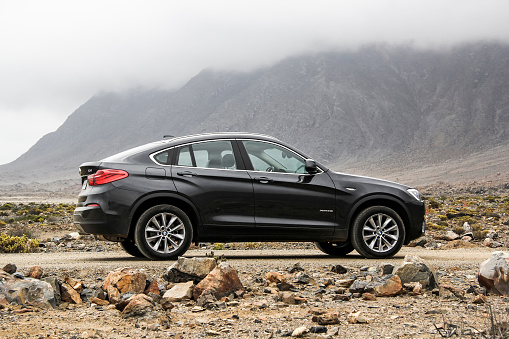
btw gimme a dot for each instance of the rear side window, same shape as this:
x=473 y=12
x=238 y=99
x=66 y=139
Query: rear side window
x=210 y=154
x=164 y=158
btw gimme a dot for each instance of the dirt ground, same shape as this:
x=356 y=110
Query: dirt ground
x=258 y=315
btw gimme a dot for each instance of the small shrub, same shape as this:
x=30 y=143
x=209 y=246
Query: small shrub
x=21 y=231
x=6 y=207
x=458 y=230
x=218 y=246
x=442 y=217
x=10 y=244
x=252 y=245
x=443 y=223
x=434 y=204
x=433 y=226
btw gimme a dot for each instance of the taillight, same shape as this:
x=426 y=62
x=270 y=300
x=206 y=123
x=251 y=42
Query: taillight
x=105 y=176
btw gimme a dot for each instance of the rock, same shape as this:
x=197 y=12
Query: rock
x=153 y=287
x=450 y=236
x=448 y=292
x=76 y=285
x=179 y=292
x=358 y=286
x=124 y=280
x=207 y=300
x=186 y=269
x=69 y=294
x=466 y=227
x=346 y=283
x=488 y=242
x=318 y=329
x=386 y=268
x=296 y=268
x=35 y=272
x=326 y=319
x=414 y=287
x=299 y=331
x=415 y=269
x=290 y=298
x=55 y=284
x=357 y=318
x=368 y=297
x=10 y=268
x=389 y=285
x=87 y=294
x=100 y=302
x=493 y=273
x=221 y=281
x=479 y=299
x=275 y=277
x=466 y=238
x=339 y=269
x=304 y=278
x=138 y=305
x=26 y=292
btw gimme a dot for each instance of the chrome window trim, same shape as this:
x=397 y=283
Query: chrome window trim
x=283 y=146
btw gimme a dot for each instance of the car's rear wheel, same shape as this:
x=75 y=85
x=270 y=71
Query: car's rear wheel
x=163 y=232
x=378 y=232
x=130 y=247
x=336 y=249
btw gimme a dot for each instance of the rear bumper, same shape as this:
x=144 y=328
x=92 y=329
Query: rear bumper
x=93 y=220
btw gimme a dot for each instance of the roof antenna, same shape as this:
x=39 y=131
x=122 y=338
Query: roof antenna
x=167 y=136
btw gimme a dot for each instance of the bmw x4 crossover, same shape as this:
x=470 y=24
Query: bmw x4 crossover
x=158 y=198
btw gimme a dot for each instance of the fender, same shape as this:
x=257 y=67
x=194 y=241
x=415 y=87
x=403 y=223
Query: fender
x=163 y=195
x=342 y=234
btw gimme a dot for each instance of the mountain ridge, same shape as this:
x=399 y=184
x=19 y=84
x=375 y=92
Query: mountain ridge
x=359 y=109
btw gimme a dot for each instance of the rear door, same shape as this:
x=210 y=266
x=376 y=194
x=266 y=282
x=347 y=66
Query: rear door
x=290 y=204
x=211 y=175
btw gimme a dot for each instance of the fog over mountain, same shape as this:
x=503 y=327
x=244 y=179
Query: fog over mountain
x=378 y=105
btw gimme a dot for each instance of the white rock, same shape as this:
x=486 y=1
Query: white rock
x=180 y=292
x=299 y=331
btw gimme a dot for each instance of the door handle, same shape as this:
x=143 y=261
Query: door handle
x=187 y=174
x=263 y=180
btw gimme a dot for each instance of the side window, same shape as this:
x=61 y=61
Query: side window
x=214 y=154
x=164 y=158
x=184 y=157
x=267 y=157
x=211 y=154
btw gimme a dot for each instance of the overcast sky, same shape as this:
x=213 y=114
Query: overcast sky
x=55 y=55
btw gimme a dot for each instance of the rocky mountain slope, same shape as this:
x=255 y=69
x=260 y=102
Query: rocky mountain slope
x=379 y=107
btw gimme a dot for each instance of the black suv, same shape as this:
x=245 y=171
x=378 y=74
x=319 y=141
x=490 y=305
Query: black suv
x=227 y=187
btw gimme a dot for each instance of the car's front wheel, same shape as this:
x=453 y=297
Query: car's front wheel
x=336 y=249
x=378 y=232
x=163 y=232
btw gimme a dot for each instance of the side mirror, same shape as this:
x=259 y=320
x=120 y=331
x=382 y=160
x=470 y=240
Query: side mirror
x=311 y=167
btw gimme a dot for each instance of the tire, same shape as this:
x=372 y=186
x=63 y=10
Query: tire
x=336 y=249
x=163 y=232
x=130 y=247
x=378 y=232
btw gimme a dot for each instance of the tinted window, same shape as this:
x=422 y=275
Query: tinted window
x=269 y=157
x=163 y=158
x=211 y=154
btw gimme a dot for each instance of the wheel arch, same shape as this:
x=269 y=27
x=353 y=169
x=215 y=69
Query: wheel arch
x=380 y=200
x=176 y=200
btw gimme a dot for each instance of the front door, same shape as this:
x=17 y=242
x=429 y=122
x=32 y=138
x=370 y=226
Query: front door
x=290 y=204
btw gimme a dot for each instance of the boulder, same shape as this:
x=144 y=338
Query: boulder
x=179 y=292
x=493 y=273
x=28 y=291
x=153 y=287
x=326 y=319
x=124 y=280
x=450 y=236
x=221 y=281
x=415 y=269
x=10 y=268
x=55 y=284
x=385 y=268
x=186 y=269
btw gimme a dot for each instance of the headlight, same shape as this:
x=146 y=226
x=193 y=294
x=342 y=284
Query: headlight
x=414 y=193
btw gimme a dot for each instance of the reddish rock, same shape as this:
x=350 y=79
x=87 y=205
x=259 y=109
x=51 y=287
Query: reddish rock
x=138 y=305
x=153 y=288
x=99 y=302
x=69 y=294
x=479 y=299
x=389 y=287
x=35 y=272
x=124 y=280
x=75 y=284
x=326 y=319
x=368 y=297
x=221 y=281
